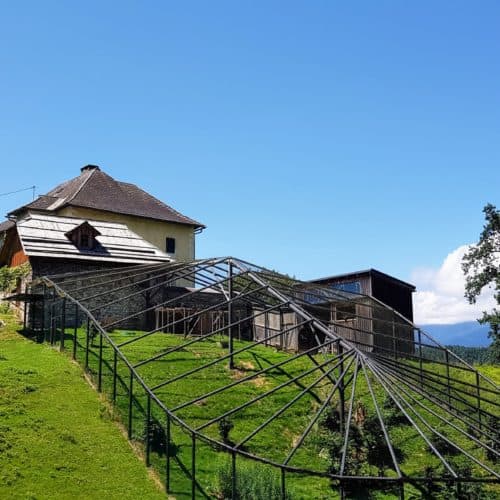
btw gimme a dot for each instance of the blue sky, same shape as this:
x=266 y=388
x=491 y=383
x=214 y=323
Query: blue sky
x=311 y=137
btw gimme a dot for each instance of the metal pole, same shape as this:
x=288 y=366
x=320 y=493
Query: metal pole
x=87 y=343
x=63 y=324
x=167 y=454
x=266 y=328
x=42 y=313
x=233 y=476
x=340 y=350
x=25 y=306
x=130 y=401
x=148 y=431
x=99 y=377
x=394 y=338
x=478 y=400
x=230 y=313
x=283 y=484
x=51 y=320
x=448 y=377
x=420 y=356
x=193 y=465
x=75 y=331
x=115 y=363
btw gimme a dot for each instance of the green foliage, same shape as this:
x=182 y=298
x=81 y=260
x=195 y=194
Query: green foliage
x=225 y=426
x=481 y=266
x=472 y=355
x=253 y=481
x=367 y=447
x=10 y=275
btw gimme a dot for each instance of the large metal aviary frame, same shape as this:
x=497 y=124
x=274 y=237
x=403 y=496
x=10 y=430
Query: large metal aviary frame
x=396 y=366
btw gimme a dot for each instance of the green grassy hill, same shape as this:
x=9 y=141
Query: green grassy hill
x=57 y=439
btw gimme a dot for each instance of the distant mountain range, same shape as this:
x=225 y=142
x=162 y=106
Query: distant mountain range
x=468 y=334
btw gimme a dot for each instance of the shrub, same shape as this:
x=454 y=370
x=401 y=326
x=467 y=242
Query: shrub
x=10 y=275
x=253 y=481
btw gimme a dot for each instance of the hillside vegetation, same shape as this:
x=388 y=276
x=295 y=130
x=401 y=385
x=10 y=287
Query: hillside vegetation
x=57 y=439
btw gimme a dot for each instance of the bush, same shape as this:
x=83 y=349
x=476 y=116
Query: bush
x=10 y=275
x=253 y=481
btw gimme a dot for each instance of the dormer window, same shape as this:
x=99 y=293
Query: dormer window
x=83 y=236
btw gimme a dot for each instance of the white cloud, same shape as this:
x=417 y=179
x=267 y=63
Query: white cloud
x=440 y=293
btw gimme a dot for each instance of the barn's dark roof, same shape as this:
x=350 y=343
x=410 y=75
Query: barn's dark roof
x=6 y=224
x=96 y=189
x=359 y=274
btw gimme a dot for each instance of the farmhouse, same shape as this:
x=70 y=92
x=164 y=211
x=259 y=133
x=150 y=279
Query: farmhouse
x=95 y=221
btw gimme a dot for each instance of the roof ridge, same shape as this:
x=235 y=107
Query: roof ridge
x=68 y=200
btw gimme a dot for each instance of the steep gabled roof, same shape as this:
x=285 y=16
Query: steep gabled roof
x=97 y=190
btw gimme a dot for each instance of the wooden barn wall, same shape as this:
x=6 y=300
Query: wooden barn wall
x=399 y=297
x=268 y=324
x=358 y=329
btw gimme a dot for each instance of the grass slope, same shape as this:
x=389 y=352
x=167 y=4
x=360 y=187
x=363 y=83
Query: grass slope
x=274 y=441
x=56 y=438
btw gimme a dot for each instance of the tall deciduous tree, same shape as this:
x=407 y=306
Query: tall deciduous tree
x=481 y=265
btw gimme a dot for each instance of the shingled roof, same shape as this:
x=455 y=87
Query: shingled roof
x=44 y=235
x=97 y=190
x=6 y=224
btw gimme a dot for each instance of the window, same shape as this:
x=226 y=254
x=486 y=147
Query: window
x=345 y=312
x=84 y=236
x=170 y=245
x=85 y=241
x=349 y=286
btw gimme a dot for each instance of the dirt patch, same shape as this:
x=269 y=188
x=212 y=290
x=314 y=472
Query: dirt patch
x=246 y=365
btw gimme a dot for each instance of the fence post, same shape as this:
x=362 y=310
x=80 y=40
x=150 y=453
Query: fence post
x=25 y=312
x=130 y=404
x=63 y=324
x=448 y=377
x=478 y=385
x=420 y=357
x=233 y=475
x=99 y=376
x=193 y=465
x=51 y=328
x=148 y=432
x=87 y=343
x=283 y=484
x=42 y=316
x=167 y=454
x=340 y=350
x=115 y=366
x=75 y=331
